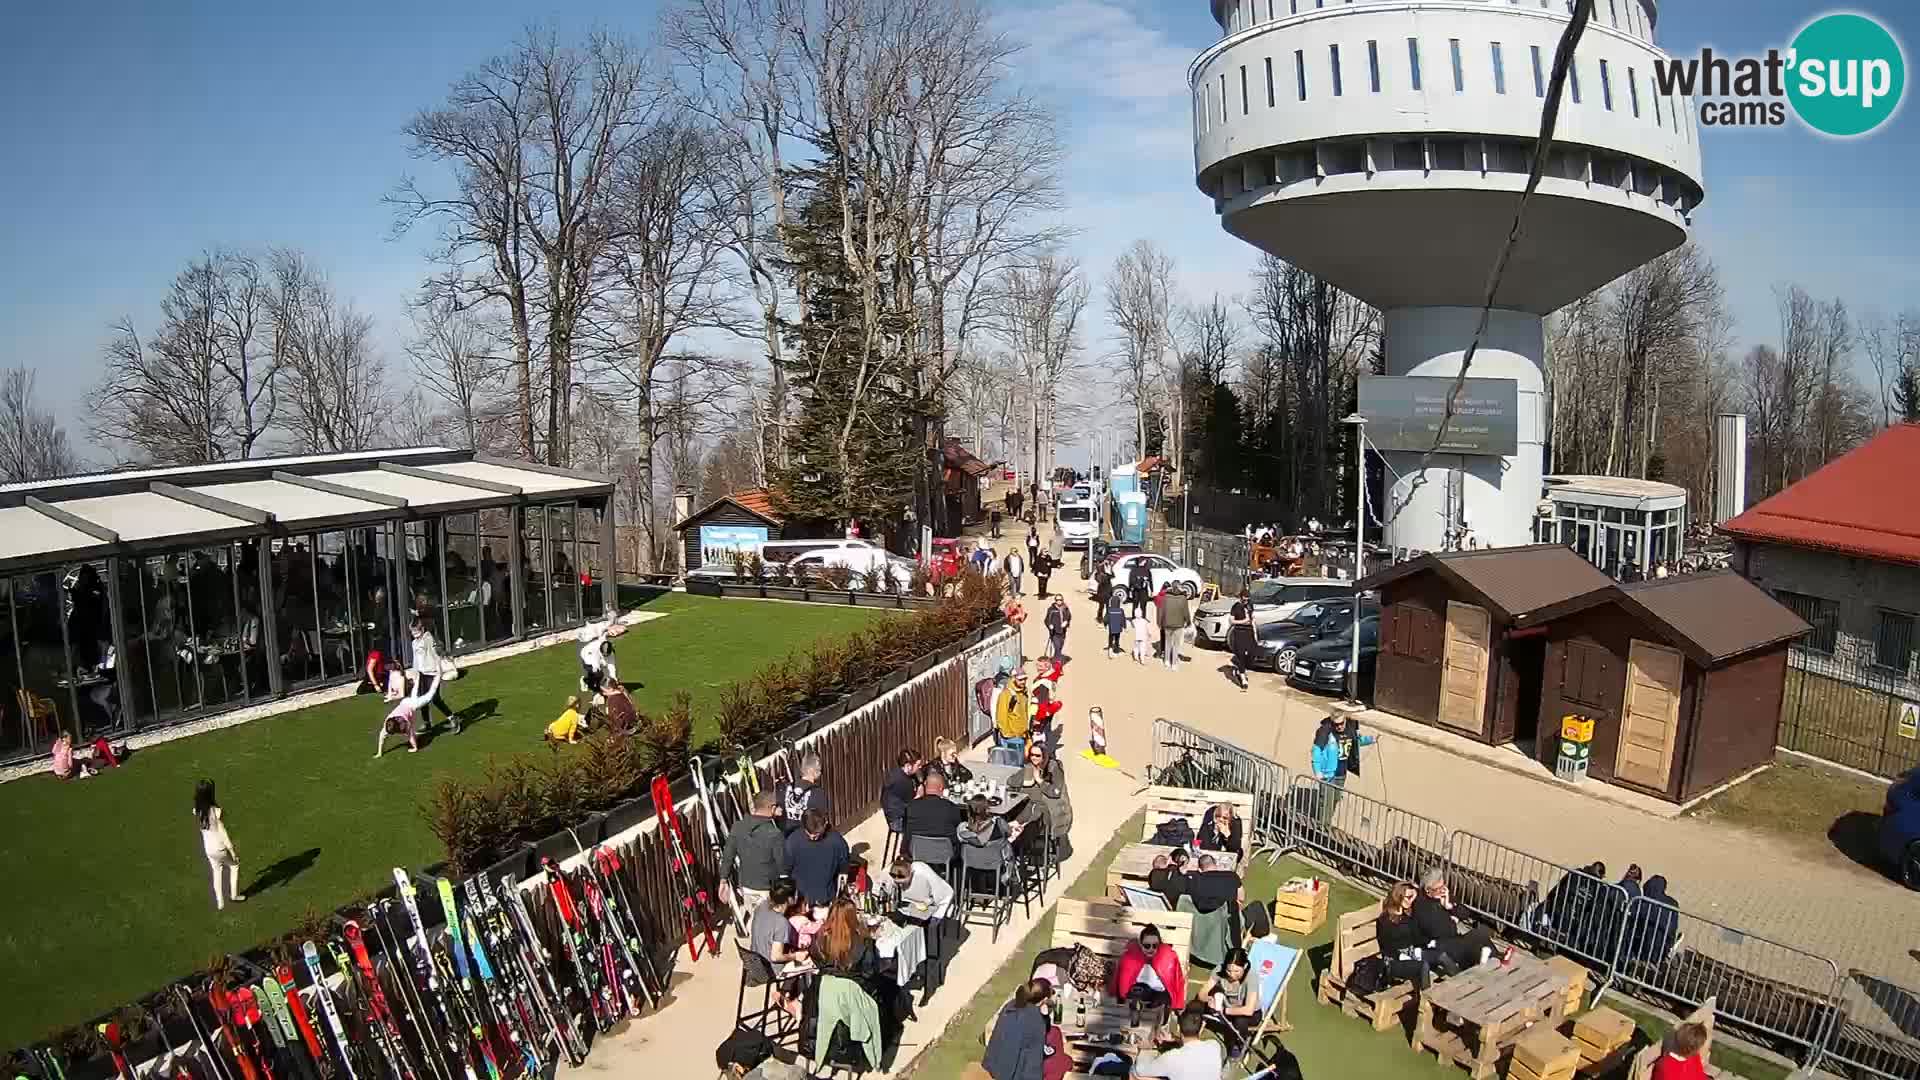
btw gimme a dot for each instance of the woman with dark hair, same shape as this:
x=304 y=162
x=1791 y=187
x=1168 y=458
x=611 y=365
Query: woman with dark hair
x=1232 y=1001
x=1017 y=1049
x=1044 y=781
x=1240 y=638
x=221 y=858
x=1402 y=945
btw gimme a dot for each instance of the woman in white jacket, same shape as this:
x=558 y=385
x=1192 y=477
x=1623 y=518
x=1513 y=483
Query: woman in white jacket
x=221 y=858
x=427 y=667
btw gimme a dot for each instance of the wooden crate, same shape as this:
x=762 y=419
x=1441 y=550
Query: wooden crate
x=1574 y=970
x=1545 y=1052
x=1603 y=1030
x=1300 y=907
x=1517 y=1070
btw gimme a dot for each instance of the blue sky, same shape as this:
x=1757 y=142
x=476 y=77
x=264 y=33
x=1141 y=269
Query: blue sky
x=138 y=139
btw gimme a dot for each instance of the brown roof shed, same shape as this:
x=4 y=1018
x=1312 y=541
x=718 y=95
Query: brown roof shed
x=1517 y=582
x=1721 y=615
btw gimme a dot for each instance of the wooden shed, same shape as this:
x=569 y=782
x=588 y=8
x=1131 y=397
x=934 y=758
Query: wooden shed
x=1682 y=677
x=1445 y=623
x=730 y=523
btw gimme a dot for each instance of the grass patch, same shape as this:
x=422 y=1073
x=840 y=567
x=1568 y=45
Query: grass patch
x=1327 y=1042
x=108 y=895
x=1820 y=810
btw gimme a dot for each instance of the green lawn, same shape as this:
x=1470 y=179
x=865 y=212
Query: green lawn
x=107 y=895
x=1328 y=1043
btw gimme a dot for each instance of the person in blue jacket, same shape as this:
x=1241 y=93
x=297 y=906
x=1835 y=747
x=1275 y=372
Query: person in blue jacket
x=1336 y=755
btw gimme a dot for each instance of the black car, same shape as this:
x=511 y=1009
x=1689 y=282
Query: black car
x=1322 y=665
x=1275 y=644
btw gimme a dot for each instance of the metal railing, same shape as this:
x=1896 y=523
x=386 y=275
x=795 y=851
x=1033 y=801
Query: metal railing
x=1779 y=994
x=1566 y=909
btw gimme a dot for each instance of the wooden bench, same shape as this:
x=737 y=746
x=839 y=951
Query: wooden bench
x=1107 y=929
x=1643 y=1062
x=1193 y=804
x=1354 y=940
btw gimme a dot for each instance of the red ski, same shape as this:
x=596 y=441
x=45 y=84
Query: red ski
x=283 y=974
x=695 y=904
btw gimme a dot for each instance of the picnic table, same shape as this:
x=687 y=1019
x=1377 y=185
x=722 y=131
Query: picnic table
x=998 y=775
x=1135 y=862
x=1493 y=1005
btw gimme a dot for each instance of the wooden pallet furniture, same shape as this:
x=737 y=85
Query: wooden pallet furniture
x=1601 y=1034
x=1135 y=861
x=1354 y=939
x=1643 y=1062
x=1300 y=905
x=1165 y=802
x=1542 y=1053
x=1475 y=1016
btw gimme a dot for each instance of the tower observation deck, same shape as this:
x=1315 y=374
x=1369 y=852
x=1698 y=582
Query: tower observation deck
x=1383 y=145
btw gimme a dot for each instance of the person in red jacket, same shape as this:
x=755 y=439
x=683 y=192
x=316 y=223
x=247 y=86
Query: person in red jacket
x=1149 y=975
x=1686 y=1057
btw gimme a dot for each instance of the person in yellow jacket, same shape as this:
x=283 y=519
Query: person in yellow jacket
x=569 y=726
x=1012 y=713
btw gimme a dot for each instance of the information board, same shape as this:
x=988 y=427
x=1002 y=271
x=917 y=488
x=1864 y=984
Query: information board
x=1404 y=412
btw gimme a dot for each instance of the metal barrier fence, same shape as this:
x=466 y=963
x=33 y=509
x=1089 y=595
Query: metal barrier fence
x=1849 y=710
x=1875 y=1053
x=1567 y=909
x=1776 y=990
x=1777 y=993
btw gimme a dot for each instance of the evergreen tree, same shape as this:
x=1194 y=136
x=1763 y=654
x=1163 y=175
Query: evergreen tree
x=1906 y=393
x=1223 y=456
x=852 y=452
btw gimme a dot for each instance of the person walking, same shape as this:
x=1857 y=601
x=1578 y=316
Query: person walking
x=1116 y=616
x=1139 y=585
x=1056 y=549
x=995 y=519
x=1240 y=638
x=1336 y=756
x=1033 y=544
x=1015 y=566
x=222 y=860
x=1059 y=617
x=1174 y=616
x=1043 y=566
x=428 y=674
x=1102 y=590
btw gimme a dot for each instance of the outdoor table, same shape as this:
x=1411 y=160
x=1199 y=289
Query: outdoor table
x=999 y=774
x=1495 y=1004
x=905 y=945
x=1104 y=1026
x=1135 y=862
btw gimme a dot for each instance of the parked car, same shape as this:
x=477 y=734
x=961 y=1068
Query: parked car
x=1077 y=524
x=812 y=568
x=776 y=554
x=1275 y=644
x=1165 y=572
x=1322 y=665
x=1274 y=600
x=1104 y=552
x=1900 y=829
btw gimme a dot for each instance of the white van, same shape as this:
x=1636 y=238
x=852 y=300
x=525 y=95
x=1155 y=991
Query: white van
x=1078 y=523
x=778 y=553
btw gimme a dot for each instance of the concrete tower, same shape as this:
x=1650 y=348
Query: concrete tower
x=1382 y=144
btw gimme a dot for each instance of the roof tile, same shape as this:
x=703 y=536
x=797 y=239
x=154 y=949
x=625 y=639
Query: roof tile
x=1845 y=505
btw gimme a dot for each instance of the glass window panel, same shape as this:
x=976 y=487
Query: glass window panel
x=468 y=591
x=228 y=643
x=296 y=616
x=496 y=546
x=16 y=733
x=43 y=700
x=565 y=573
x=372 y=594
x=138 y=658
x=423 y=575
x=1659 y=549
x=592 y=521
x=89 y=619
x=533 y=555
x=332 y=583
x=164 y=631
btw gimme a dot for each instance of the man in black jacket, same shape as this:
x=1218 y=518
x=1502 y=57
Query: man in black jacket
x=1433 y=914
x=932 y=815
x=1139 y=586
x=898 y=789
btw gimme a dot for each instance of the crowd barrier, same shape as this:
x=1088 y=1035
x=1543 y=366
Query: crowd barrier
x=1790 y=999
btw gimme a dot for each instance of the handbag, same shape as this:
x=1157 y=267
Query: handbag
x=449 y=671
x=1087 y=971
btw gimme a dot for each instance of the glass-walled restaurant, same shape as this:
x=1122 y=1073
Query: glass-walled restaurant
x=139 y=600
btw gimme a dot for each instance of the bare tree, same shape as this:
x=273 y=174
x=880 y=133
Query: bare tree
x=324 y=360
x=460 y=364
x=1043 y=302
x=533 y=140
x=33 y=445
x=1139 y=295
x=167 y=398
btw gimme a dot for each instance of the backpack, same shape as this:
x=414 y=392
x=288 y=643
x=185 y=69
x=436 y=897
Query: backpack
x=983 y=695
x=1173 y=832
x=1369 y=975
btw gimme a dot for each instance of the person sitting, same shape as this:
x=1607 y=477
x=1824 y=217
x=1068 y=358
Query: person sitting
x=946 y=758
x=1402 y=944
x=1655 y=926
x=932 y=816
x=921 y=895
x=622 y=716
x=1168 y=876
x=1149 y=975
x=1233 y=1003
x=898 y=789
x=1451 y=949
x=985 y=829
x=1222 y=831
x=1567 y=912
x=814 y=857
x=1211 y=888
x=1685 y=1057
x=1197 y=1057
x=1018 y=1047
x=568 y=727
x=771 y=938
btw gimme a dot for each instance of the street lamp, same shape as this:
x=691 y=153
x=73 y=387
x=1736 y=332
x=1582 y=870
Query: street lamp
x=1359 y=546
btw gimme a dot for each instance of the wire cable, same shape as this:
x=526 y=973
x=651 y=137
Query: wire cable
x=1542 y=152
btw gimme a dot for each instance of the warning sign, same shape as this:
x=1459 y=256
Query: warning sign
x=1909 y=719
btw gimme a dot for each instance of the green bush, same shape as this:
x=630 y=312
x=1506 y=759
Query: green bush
x=531 y=795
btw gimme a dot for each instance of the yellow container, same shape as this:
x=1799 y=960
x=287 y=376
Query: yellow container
x=1576 y=728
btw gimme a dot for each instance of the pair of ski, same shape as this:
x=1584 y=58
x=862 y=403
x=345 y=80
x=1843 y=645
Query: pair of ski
x=740 y=792
x=697 y=908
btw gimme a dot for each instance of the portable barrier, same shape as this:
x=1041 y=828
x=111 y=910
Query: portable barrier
x=1387 y=843
x=1565 y=909
x=1872 y=1052
x=1185 y=757
x=1778 y=993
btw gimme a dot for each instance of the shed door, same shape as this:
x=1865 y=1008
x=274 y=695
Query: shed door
x=1463 y=671
x=1651 y=716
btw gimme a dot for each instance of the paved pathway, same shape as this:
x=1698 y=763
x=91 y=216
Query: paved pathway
x=1748 y=881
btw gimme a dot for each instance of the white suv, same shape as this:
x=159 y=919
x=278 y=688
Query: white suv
x=1077 y=523
x=1165 y=572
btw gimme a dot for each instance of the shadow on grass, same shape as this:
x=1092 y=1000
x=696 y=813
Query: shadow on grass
x=283 y=871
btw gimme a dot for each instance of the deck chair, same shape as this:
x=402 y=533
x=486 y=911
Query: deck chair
x=1273 y=1021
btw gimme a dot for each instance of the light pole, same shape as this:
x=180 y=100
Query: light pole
x=1359 y=546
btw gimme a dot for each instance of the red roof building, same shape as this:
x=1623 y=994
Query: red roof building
x=1863 y=503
